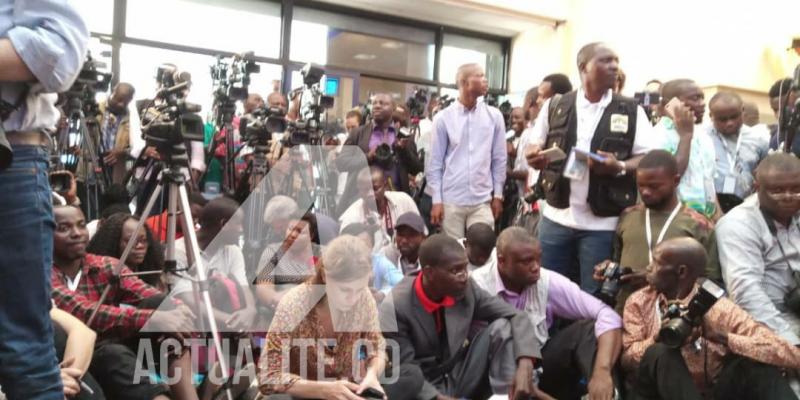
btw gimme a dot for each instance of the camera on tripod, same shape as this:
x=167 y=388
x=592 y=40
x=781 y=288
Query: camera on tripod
x=259 y=126
x=682 y=320
x=174 y=120
x=232 y=78
x=313 y=103
x=416 y=104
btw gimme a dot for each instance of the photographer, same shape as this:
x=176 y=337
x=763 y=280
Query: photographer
x=115 y=127
x=384 y=148
x=725 y=353
x=660 y=216
x=42 y=49
x=762 y=247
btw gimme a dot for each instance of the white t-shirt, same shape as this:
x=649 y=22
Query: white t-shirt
x=228 y=261
x=399 y=204
x=579 y=215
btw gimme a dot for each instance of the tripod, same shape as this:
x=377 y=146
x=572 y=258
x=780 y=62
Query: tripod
x=82 y=133
x=260 y=191
x=173 y=177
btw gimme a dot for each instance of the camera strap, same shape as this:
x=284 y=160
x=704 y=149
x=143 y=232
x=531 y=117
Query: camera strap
x=649 y=230
x=773 y=229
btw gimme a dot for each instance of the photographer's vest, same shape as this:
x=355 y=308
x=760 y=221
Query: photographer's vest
x=608 y=195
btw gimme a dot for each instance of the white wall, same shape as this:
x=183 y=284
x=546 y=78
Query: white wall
x=715 y=42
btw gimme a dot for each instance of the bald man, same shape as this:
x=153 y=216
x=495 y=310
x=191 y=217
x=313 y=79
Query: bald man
x=761 y=246
x=731 y=357
x=584 y=196
x=737 y=147
x=364 y=147
x=277 y=99
x=114 y=122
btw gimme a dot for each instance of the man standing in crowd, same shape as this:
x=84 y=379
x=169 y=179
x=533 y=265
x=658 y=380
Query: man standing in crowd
x=377 y=207
x=660 y=216
x=468 y=158
x=78 y=280
x=513 y=190
x=408 y=236
x=384 y=148
x=781 y=99
x=585 y=196
x=41 y=51
x=692 y=148
x=730 y=356
x=115 y=130
x=588 y=348
x=429 y=316
x=761 y=251
x=738 y=150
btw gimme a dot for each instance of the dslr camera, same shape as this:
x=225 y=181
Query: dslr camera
x=682 y=320
x=792 y=299
x=611 y=283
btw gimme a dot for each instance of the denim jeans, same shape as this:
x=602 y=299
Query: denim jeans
x=574 y=252
x=28 y=364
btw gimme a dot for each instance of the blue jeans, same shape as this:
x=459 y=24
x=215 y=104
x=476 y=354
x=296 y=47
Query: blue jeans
x=574 y=252
x=28 y=363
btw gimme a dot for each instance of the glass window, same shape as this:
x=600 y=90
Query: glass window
x=233 y=25
x=363 y=45
x=98 y=14
x=139 y=64
x=458 y=50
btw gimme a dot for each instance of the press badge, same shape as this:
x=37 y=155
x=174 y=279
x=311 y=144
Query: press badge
x=729 y=185
x=619 y=123
x=576 y=168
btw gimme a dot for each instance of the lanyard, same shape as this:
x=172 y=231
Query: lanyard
x=732 y=158
x=649 y=232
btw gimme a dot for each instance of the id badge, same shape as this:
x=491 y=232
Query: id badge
x=576 y=169
x=729 y=185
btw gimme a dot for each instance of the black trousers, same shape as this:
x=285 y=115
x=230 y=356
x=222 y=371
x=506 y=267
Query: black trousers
x=60 y=340
x=567 y=358
x=663 y=374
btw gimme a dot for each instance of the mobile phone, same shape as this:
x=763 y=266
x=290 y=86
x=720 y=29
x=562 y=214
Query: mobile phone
x=371 y=393
x=593 y=156
x=553 y=154
x=669 y=108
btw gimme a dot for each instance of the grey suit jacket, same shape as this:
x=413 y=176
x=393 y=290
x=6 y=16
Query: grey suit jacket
x=404 y=320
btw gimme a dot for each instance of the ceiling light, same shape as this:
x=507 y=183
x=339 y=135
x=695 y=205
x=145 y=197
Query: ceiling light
x=392 y=45
x=365 y=57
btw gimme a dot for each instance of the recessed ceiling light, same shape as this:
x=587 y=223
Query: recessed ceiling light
x=365 y=57
x=392 y=45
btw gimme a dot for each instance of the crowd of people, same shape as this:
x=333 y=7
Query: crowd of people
x=583 y=245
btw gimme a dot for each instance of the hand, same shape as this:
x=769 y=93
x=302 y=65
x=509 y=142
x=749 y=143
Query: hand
x=241 y=319
x=340 y=390
x=151 y=152
x=371 y=381
x=610 y=167
x=70 y=377
x=601 y=387
x=522 y=385
x=181 y=319
x=110 y=158
x=497 y=207
x=600 y=269
x=437 y=214
x=371 y=156
x=534 y=157
x=683 y=117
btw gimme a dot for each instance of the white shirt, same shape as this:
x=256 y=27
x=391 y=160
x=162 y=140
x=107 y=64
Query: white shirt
x=423 y=143
x=399 y=204
x=491 y=262
x=579 y=215
x=228 y=261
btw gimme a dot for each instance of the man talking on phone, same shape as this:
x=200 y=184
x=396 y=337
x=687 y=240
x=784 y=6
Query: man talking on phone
x=603 y=135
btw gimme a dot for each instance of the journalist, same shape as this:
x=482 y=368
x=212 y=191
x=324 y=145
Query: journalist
x=762 y=247
x=720 y=353
x=383 y=147
x=41 y=51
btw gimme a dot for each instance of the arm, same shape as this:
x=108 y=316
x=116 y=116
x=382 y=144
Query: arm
x=47 y=43
x=80 y=339
x=635 y=336
x=351 y=158
x=392 y=275
x=490 y=308
x=743 y=270
x=133 y=290
x=499 y=154
x=439 y=143
x=408 y=155
x=129 y=320
x=684 y=149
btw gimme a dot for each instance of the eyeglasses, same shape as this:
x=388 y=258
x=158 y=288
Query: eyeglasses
x=784 y=195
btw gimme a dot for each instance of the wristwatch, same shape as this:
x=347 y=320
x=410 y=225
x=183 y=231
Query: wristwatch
x=623 y=168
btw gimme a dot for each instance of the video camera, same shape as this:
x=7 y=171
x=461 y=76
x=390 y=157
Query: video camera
x=258 y=126
x=313 y=103
x=681 y=321
x=504 y=107
x=90 y=81
x=231 y=81
x=416 y=104
x=445 y=101
x=173 y=120
x=790 y=117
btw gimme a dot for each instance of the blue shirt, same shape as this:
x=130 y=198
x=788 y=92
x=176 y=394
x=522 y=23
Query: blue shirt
x=751 y=149
x=468 y=155
x=386 y=275
x=51 y=38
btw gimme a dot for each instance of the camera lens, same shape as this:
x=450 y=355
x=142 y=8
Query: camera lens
x=674 y=332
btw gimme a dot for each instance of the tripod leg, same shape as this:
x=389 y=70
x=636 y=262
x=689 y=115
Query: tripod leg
x=203 y=280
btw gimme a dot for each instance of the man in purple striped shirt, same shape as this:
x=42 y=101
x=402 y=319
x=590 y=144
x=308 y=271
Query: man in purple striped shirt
x=467 y=168
x=588 y=348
